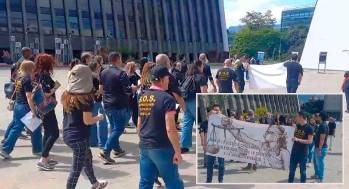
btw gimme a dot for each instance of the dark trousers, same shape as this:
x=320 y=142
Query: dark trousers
x=82 y=158
x=134 y=109
x=294 y=161
x=210 y=165
x=51 y=132
x=347 y=99
x=292 y=86
x=241 y=87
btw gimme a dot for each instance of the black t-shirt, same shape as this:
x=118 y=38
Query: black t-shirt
x=240 y=72
x=24 y=85
x=134 y=79
x=178 y=75
x=207 y=73
x=116 y=87
x=96 y=82
x=46 y=82
x=322 y=129
x=153 y=105
x=74 y=128
x=294 y=69
x=332 y=128
x=173 y=86
x=302 y=132
x=225 y=77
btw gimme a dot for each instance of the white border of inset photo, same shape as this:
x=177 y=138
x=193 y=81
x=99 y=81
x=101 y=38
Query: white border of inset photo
x=226 y=184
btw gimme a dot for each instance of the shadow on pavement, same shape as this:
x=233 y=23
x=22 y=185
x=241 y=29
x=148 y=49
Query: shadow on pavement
x=8 y=163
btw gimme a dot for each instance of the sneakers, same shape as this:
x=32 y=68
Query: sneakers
x=119 y=153
x=106 y=158
x=52 y=162
x=44 y=167
x=100 y=184
x=184 y=150
x=4 y=154
x=157 y=181
x=314 y=177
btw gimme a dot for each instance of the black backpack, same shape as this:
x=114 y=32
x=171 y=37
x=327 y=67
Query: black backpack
x=188 y=88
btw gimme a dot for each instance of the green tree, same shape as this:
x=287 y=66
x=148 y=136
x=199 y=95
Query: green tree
x=257 y=20
x=295 y=37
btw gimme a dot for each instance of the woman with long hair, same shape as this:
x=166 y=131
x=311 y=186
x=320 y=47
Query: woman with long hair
x=77 y=101
x=23 y=105
x=42 y=75
x=134 y=80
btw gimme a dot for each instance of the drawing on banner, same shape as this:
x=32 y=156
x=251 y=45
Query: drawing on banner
x=261 y=144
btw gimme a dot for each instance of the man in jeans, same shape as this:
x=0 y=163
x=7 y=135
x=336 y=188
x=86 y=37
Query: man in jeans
x=160 y=151
x=211 y=159
x=294 y=74
x=116 y=89
x=303 y=136
x=320 y=147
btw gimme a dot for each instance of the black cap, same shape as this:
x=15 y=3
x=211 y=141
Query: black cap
x=158 y=72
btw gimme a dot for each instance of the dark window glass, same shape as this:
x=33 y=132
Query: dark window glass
x=108 y=10
x=151 y=17
x=141 y=18
x=98 y=17
x=16 y=16
x=159 y=9
x=121 y=19
x=196 y=7
x=73 y=17
x=219 y=26
x=60 y=25
x=205 y=22
x=3 y=16
x=187 y=21
x=169 y=16
x=179 y=21
x=131 y=20
x=85 y=17
x=45 y=16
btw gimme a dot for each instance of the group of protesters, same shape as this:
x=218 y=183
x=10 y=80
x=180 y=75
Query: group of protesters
x=313 y=139
x=107 y=92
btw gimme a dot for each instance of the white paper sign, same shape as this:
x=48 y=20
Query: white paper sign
x=266 y=146
x=268 y=76
x=31 y=123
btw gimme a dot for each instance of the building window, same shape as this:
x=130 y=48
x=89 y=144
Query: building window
x=188 y=21
x=151 y=17
x=98 y=17
x=108 y=10
x=73 y=17
x=219 y=26
x=45 y=16
x=85 y=18
x=170 y=22
x=32 y=16
x=177 y=9
x=141 y=19
x=211 y=21
x=121 y=19
x=16 y=16
x=3 y=16
x=60 y=25
x=159 y=10
x=205 y=23
x=131 y=20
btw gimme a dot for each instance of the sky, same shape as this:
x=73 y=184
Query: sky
x=236 y=9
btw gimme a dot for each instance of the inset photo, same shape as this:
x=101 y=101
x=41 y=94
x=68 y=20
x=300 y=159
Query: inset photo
x=270 y=138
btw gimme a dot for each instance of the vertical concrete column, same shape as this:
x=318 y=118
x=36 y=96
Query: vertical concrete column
x=147 y=25
x=174 y=16
x=138 y=28
x=82 y=38
x=200 y=12
x=25 y=24
x=116 y=24
x=167 y=27
x=157 y=26
x=184 y=26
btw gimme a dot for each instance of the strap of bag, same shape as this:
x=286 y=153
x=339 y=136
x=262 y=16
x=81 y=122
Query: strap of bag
x=14 y=92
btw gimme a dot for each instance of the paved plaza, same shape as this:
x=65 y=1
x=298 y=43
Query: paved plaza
x=21 y=172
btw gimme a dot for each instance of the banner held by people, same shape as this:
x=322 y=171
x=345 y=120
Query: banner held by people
x=261 y=144
x=267 y=76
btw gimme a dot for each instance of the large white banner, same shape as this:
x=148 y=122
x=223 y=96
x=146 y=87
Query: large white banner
x=261 y=144
x=267 y=76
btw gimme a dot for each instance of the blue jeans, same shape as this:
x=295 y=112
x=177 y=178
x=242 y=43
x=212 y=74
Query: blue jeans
x=20 y=110
x=188 y=121
x=118 y=118
x=159 y=162
x=294 y=161
x=210 y=163
x=7 y=132
x=311 y=152
x=292 y=86
x=99 y=131
x=319 y=164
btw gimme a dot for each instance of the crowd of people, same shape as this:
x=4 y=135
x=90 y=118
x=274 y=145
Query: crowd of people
x=313 y=139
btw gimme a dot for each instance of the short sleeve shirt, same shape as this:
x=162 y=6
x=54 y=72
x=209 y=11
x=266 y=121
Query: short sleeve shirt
x=322 y=129
x=46 y=82
x=225 y=77
x=23 y=86
x=294 y=69
x=301 y=132
x=74 y=128
x=153 y=106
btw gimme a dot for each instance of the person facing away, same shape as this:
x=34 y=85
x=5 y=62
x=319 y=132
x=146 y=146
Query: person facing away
x=303 y=136
x=160 y=152
x=345 y=89
x=294 y=74
x=207 y=71
x=26 y=56
x=225 y=77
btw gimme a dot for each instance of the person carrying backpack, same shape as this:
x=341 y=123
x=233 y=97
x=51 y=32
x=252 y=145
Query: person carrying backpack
x=194 y=83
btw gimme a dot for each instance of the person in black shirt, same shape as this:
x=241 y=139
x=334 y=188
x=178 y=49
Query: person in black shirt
x=240 y=71
x=77 y=101
x=116 y=89
x=195 y=73
x=320 y=147
x=134 y=78
x=207 y=71
x=43 y=71
x=303 y=136
x=177 y=73
x=23 y=105
x=313 y=125
x=294 y=74
x=159 y=142
x=225 y=78
x=331 y=131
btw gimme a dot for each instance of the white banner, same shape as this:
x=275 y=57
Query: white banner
x=266 y=146
x=267 y=76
